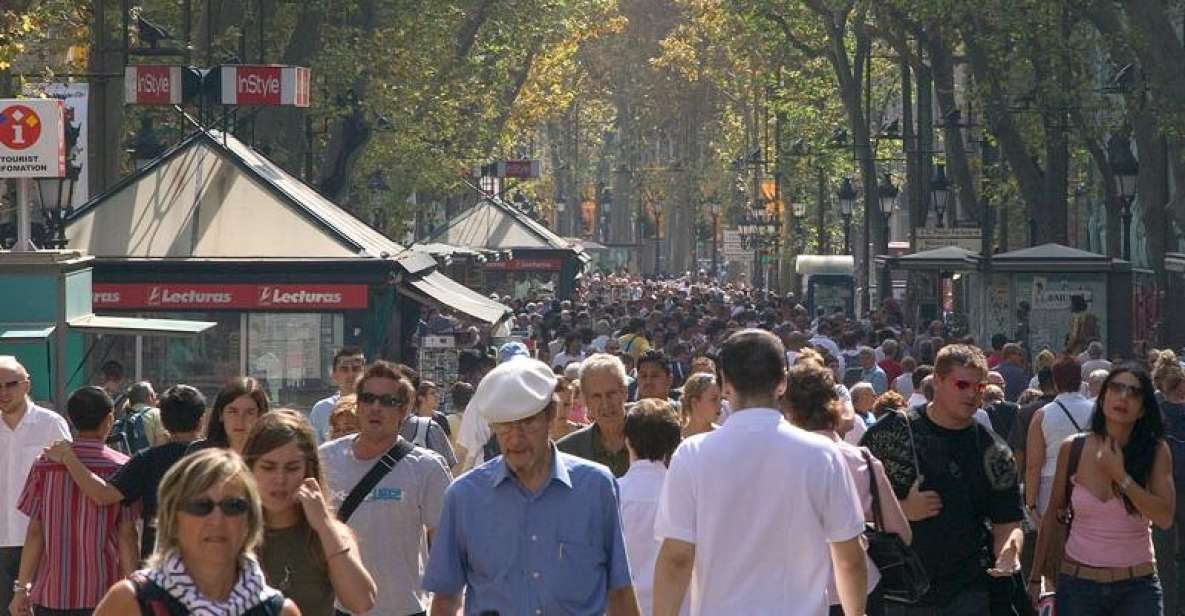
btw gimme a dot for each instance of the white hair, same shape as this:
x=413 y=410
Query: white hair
x=10 y=362
x=606 y=362
x=860 y=387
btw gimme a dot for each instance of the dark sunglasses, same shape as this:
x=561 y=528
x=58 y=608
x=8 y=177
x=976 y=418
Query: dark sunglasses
x=965 y=385
x=231 y=507
x=365 y=397
x=1125 y=390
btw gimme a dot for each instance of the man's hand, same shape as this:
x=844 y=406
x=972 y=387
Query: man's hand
x=919 y=505
x=58 y=451
x=21 y=606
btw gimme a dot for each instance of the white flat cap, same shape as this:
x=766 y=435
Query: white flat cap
x=514 y=390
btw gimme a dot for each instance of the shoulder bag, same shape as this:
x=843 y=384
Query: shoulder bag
x=1059 y=531
x=381 y=468
x=903 y=576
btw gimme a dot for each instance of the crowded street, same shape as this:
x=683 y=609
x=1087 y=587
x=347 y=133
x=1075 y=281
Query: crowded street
x=592 y=307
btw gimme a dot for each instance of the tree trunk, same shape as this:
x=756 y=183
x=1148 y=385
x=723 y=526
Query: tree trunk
x=952 y=132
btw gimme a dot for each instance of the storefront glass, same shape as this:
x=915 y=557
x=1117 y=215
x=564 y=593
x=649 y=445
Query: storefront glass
x=292 y=354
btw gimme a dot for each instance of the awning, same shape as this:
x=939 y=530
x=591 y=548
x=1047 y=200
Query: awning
x=436 y=288
x=25 y=332
x=132 y=326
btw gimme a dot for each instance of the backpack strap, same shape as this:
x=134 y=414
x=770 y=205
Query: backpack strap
x=421 y=436
x=153 y=600
x=381 y=468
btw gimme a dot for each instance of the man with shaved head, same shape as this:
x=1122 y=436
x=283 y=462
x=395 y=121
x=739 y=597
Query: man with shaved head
x=25 y=429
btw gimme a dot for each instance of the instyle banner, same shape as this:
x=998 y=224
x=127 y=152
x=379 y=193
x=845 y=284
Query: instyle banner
x=185 y=296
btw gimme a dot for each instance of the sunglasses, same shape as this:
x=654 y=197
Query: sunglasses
x=390 y=400
x=1125 y=390
x=965 y=385
x=12 y=384
x=231 y=507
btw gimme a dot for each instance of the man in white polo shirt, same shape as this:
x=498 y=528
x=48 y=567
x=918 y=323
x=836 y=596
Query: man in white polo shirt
x=25 y=429
x=767 y=550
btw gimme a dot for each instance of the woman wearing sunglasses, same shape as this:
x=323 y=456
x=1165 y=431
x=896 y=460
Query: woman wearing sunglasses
x=1123 y=482
x=208 y=526
x=238 y=405
x=306 y=552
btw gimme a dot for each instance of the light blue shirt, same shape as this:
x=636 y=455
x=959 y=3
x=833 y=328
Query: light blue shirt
x=319 y=417
x=876 y=377
x=556 y=551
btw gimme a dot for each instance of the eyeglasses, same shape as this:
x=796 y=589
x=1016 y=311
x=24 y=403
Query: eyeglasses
x=231 y=507
x=12 y=384
x=531 y=424
x=1125 y=390
x=389 y=400
x=965 y=385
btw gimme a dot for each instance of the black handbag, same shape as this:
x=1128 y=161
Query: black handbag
x=903 y=576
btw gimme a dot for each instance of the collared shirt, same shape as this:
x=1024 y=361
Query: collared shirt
x=640 y=488
x=19 y=448
x=588 y=444
x=319 y=416
x=80 y=556
x=742 y=535
x=556 y=551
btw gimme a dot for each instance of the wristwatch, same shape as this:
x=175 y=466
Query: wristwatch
x=19 y=586
x=1125 y=484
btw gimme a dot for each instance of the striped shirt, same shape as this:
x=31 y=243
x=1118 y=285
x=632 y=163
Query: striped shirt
x=80 y=558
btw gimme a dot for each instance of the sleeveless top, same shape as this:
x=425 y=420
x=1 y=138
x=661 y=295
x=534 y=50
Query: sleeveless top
x=1104 y=534
x=292 y=569
x=1056 y=425
x=156 y=601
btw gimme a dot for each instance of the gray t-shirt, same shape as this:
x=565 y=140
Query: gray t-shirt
x=390 y=521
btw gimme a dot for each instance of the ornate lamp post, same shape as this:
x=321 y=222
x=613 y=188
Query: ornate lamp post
x=1127 y=171
x=847 y=201
x=940 y=190
x=714 y=212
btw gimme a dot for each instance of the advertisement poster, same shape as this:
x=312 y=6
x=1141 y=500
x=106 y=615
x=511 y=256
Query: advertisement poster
x=74 y=95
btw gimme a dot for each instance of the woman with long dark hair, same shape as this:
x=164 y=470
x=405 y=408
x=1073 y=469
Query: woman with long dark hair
x=1123 y=482
x=238 y=405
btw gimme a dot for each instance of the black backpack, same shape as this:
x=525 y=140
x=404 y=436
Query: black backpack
x=128 y=434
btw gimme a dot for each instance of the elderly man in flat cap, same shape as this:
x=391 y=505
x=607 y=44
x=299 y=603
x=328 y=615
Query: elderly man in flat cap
x=535 y=530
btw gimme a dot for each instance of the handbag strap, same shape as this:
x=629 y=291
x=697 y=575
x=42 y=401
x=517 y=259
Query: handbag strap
x=878 y=521
x=381 y=468
x=1067 y=487
x=1068 y=415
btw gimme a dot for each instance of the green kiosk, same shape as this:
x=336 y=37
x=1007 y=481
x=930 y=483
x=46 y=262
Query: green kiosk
x=46 y=320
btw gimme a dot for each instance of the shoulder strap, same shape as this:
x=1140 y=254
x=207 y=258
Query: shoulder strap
x=1068 y=415
x=1075 y=455
x=376 y=473
x=877 y=518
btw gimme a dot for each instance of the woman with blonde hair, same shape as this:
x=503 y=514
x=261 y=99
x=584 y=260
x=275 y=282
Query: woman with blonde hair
x=700 y=404
x=343 y=419
x=209 y=523
x=306 y=552
x=1044 y=359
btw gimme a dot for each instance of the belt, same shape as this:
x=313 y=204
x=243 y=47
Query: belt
x=1107 y=574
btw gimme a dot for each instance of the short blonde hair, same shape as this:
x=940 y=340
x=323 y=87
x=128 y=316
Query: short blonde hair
x=693 y=389
x=188 y=479
x=959 y=355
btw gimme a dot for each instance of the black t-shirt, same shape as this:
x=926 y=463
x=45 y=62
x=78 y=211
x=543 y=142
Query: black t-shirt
x=975 y=475
x=1018 y=437
x=139 y=479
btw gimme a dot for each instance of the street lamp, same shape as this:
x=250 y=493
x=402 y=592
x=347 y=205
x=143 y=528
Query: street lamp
x=604 y=216
x=888 y=195
x=940 y=190
x=1127 y=171
x=847 y=201
x=57 y=202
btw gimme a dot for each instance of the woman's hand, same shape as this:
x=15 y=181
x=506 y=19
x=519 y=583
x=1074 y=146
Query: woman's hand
x=312 y=501
x=1110 y=459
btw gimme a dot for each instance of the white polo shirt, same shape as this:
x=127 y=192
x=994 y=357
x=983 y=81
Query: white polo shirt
x=748 y=495
x=640 y=487
x=19 y=448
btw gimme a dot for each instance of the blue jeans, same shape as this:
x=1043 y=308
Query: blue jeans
x=1134 y=597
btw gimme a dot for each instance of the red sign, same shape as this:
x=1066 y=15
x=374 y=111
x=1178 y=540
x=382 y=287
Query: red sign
x=522 y=169
x=183 y=296
x=265 y=84
x=156 y=84
x=20 y=127
x=522 y=265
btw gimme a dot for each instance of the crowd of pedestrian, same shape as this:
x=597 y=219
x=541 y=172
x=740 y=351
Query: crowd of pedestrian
x=646 y=447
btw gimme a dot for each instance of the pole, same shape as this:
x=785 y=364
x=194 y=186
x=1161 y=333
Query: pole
x=715 y=254
x=1127 y=229
x=657 y=240
x=847 y=234
x=24 y=235
x=822 y=213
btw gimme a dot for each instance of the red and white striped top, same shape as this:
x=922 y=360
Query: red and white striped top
x=80 y=559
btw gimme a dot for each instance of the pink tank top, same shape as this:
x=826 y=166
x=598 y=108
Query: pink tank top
x=1104 y=534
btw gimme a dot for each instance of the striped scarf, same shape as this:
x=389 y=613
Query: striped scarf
x=249 y=590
